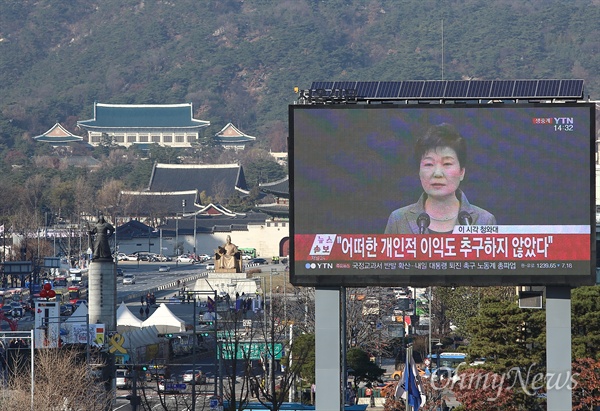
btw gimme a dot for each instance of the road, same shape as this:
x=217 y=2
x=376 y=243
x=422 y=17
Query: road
x=149 y=279
x=164 y=285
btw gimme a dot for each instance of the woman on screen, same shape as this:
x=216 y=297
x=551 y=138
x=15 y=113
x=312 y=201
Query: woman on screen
x=441 y=154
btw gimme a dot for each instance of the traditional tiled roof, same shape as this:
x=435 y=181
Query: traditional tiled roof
x=135 y=229
x=274 y=209
x=145 y=203
x=57 y=134
x=141 y=116
x=211 y=224
x=279 y=188
x=217 y=210
x=232 y=135
x=217 y=180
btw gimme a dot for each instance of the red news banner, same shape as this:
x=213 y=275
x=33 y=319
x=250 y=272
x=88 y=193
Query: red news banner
x=489 y=243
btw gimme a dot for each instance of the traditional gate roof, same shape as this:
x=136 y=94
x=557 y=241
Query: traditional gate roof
x=209 y=223
x=146 y=203
x=214 y=179
x=279 y=188
x=135 y=229
x=142 y=116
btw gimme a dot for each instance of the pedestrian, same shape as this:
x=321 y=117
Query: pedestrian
x=142 y=312
x=142 y=299
x=147 y=311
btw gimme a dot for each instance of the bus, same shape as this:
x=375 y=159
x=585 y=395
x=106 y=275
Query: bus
x=60 y=283
x=247 y=252
x=76 y=293
x=449 y=362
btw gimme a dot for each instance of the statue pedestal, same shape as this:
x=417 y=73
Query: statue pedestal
x=226 y=270
x=102 y=294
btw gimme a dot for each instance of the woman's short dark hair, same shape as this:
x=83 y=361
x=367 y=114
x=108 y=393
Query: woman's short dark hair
x=442 y=135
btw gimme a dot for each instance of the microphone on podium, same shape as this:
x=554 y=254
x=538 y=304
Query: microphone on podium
x=423 y=222
x=465 y=218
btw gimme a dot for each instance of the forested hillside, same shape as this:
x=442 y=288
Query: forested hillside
x=238 y=61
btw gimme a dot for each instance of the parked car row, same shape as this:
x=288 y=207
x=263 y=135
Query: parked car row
x=143 y=256
x=190 y=258
x=186 y=258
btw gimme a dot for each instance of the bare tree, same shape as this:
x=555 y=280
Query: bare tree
x=60 y=383
x=275 y=382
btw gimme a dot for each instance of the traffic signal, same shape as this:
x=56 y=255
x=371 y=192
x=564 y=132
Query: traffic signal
x=168 y=335
x=207 y=323
x=204 y=334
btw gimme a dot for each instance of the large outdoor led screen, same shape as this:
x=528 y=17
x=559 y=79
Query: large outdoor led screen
x=496 y=194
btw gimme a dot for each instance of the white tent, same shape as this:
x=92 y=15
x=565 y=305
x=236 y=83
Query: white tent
x=165 y=321
x=126 y=320
x=79 y=316
x=134 y=343
x=139 y=338
x=75 y=329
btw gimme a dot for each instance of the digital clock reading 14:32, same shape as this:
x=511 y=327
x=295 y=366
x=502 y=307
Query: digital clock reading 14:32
x=563 y=127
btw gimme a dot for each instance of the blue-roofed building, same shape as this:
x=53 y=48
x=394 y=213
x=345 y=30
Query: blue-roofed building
x=58 y=136
x=231 y=138
x=170 y=125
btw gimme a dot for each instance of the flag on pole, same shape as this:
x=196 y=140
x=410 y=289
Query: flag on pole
x=411 y=383
x=210 y=304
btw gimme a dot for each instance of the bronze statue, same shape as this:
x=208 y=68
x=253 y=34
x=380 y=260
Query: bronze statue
x=228 y=257
x=102 y=231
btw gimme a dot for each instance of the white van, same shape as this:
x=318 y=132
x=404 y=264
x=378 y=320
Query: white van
x=122 y=379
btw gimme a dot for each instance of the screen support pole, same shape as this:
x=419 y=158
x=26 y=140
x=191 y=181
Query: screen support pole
x=327 y=349
x=558 y=347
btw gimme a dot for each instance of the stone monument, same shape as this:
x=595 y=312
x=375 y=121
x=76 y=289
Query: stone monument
x=228 y=259
x=102 y=277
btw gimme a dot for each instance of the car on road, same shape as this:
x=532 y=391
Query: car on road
x=185 y=259
x=67 y=309
x=122 y=380
x=203 y=257
x=164 y=269
x=128 y=279
x=144 y=255
x=188 y=376
x=259 y=261
x=210 y=266
x=170 y=386
x=119 y=272
x=130 y=257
